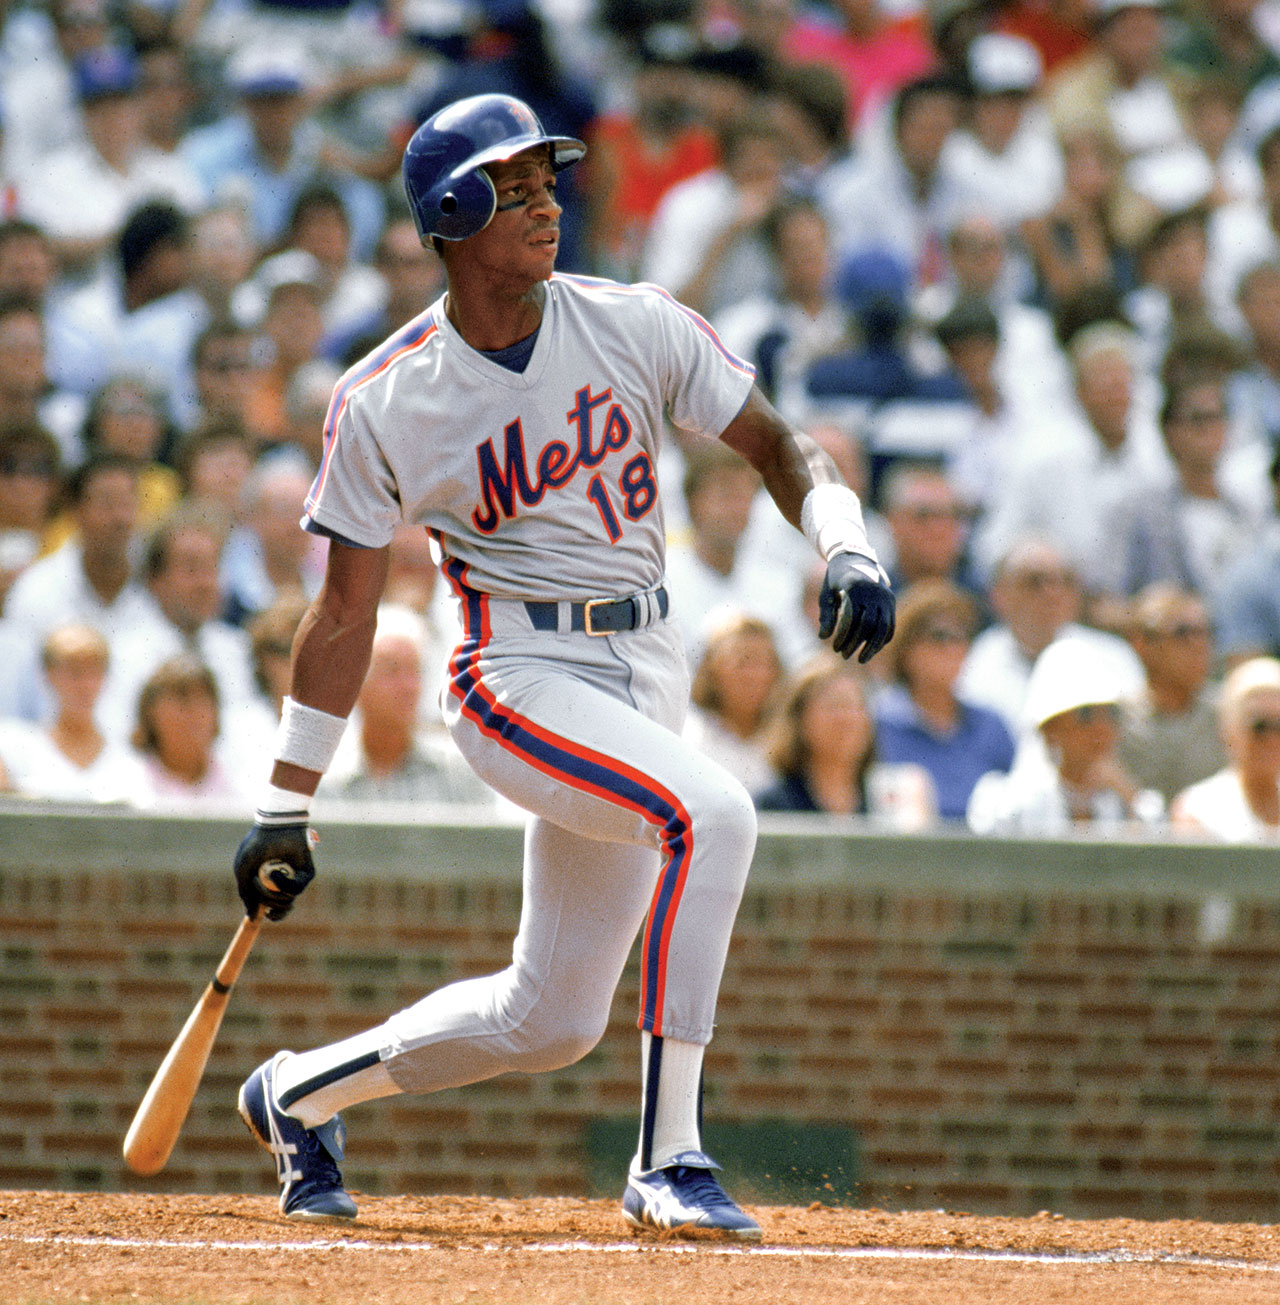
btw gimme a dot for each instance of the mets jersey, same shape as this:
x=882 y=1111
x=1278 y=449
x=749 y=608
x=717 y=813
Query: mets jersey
x=542 y=483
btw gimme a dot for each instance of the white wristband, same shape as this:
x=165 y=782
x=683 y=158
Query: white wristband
x=308 y=737
x=831 y=518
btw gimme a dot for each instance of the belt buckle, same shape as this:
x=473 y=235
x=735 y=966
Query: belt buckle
x=587 y=608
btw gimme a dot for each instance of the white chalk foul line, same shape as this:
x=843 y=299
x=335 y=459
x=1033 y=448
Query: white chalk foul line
x=1053 y=1259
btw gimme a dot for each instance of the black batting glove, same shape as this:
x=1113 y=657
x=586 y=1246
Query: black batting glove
x=856 y=606
x=273 y=865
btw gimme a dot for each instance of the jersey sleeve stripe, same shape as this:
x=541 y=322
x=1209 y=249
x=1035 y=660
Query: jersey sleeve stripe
x=405 y=342
x=587 y=771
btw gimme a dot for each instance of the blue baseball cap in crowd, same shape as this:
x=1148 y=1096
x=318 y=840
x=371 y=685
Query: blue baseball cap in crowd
x=106 y=71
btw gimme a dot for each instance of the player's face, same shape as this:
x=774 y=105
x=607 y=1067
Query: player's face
x=524 y=236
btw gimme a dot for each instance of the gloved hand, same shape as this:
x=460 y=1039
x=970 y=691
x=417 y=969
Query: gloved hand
x=273 y=865
x=856 y=606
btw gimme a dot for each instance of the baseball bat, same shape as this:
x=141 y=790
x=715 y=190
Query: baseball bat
x=163 y=1110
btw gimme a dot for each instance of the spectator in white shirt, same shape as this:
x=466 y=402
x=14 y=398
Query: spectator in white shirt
x=181 y=573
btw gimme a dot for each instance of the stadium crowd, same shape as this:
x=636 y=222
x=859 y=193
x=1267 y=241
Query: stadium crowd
x=1014 y=263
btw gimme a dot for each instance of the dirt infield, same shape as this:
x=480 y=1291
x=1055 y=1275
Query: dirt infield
x=211 y=1250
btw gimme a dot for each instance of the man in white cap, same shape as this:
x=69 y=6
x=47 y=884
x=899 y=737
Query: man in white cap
x=1074 y=701
x=1006 y=160
x=269 y=149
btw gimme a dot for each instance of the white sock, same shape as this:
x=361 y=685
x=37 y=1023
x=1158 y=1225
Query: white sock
x=313 y=1086
x=672 y=1119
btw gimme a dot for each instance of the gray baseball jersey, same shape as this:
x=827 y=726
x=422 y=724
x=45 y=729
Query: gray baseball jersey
x=542 y=483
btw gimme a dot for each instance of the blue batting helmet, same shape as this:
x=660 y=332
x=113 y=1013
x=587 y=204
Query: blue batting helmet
x=449 y=192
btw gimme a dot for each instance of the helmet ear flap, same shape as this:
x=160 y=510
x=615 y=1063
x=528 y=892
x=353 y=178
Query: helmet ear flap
x=463 y=205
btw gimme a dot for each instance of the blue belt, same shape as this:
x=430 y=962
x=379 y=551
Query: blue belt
x=602 y=615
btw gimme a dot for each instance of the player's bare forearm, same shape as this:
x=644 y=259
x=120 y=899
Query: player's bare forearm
x=789 y=462
x=334 y=641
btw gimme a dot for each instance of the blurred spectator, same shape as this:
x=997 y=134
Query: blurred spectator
x=25 y=394
x=268 y=149
x=1171 y=295
x=82 y=193
x=785 y=330
x=181 y=571
x=38 y=100
x=167 y=93
x=177 y=726
x=69 y=760
x=89 y=579
x=880 y=364
x=1073 y=700
x=928 y=527
x=144 y=315
x=350 y=291
x=1226 y=39
x=824 y=751
x=1241 y=802
x=386 y=757
x=1005 y=158
x=267 y=556
x=876 y=50
x=1181 y=525
x=1247 y=612
x=1169 y=736
x=809 y=110
x=213 y=464
x=222 y=255
x=895 y=195
x=29 y=272
x=1029 y=365
x=706 y=244
x=1212 y=104
x=639 y=150
x=1124 y=84
x=30 y=483
x=1254 y=392
x=412 y=278
x=1087 y=238
x=919 y=717
x=127 y=416
x=1246 y=232
x=735 y=686
x=711 y=571
x=225 y=368
x=1035 y=597
x=284 y=302
x=1071 y=486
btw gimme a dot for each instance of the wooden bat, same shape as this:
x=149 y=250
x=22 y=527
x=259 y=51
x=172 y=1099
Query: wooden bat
x=163 y=1111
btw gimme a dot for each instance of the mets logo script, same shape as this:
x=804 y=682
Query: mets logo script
x=502 y=484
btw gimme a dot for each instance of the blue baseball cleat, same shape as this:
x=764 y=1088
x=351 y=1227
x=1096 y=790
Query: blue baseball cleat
x=684 y=1198
x=306 y=1158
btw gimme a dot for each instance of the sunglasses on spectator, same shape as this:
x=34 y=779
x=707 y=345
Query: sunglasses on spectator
x=1096 y=711
x=1044 y=579
x=14 y=466
x=1183 y=630
x=943 y=634
x=936 y=512
x=1262 y=726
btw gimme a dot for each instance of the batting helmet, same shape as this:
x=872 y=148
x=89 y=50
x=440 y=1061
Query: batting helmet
x=449 y=192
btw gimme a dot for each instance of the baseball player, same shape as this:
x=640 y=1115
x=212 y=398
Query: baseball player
x=518 y=419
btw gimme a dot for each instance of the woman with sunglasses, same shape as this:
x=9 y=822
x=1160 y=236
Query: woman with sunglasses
x=1241 y=802
x=1075 y=778
x=919 y=717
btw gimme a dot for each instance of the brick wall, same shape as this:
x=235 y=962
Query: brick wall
x=992 y=1026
